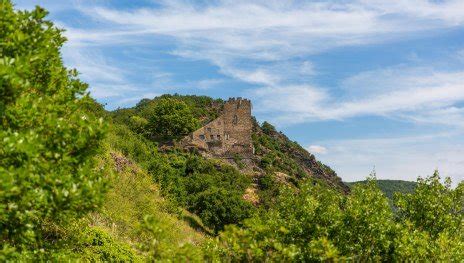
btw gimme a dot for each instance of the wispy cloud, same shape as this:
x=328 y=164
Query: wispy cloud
x=285 y=27
x=258 y=42
x=418 y=94
x=317 y=149
x=93 y=66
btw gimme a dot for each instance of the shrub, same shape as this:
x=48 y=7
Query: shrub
x=317 y=223
x=219 y=207
x=96 y=245
x=171 y=118
x=47 y=140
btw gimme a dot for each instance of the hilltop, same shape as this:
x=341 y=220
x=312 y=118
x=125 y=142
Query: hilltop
x=257 y=149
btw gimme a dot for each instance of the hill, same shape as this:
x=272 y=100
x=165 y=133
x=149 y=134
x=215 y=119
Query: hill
x=390 y=187
x=242 y=183
x=79 y=183
x=275 y=155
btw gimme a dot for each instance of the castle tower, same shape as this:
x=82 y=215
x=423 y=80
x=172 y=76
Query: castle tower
x=227 y=135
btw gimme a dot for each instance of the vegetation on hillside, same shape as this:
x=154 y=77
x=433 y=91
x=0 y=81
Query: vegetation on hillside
x=279 y=154
x=47 y=142
x=390 y=187
x=78 y=183
x=318 y=223
x=210 y=188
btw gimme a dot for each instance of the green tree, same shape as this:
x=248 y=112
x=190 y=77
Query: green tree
x=171 y=118
x=317 y=223
x=268 y=128
x=368 y=224
x=433 y=221
x=47 y=138
x=219 y=207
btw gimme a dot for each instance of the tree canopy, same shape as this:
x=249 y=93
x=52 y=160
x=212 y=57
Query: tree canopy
x=319 y=224
x=170 y=118
x=47 y=140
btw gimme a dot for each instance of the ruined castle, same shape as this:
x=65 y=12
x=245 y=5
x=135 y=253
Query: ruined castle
x=227 y=135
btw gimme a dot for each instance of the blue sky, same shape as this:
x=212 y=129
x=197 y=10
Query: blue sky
x=361 y=84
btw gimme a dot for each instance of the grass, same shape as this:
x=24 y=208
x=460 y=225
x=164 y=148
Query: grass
x=135 y=213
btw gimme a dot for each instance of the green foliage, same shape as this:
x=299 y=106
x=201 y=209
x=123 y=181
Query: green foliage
x=368 y=226
x=390 y=187
x=274 y=150
x=433 y=207
x=138 y=124
x=163 y=251
x=97 y=245
x=170 y=118
x=214 y=191
x=297 y=226
x=135 y=213
x=269 y=190
x=268 y=128
x=187 y=178
x=433 y=220
x=218 y=207
x=48 y=140
x=320 y=224
x=202 y=108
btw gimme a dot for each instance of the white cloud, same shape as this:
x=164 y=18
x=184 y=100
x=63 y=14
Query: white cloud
x=402 y=92
x=273 y=30
x=92 y=65
x=300 y=99
x=317 y=149
x=109 y=80
x=307 y=68
x=415 y=94
x=448 y=11
x=259 y=76
x=257 y=42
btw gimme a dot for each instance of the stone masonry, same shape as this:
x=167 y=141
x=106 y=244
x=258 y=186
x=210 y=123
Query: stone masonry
x=227 y=135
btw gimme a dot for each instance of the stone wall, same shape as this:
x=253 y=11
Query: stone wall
x=227 y=135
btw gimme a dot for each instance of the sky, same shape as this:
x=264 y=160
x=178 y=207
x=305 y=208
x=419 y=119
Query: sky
x=364 y=84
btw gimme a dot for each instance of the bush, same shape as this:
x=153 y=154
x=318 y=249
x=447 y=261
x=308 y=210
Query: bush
x=318 y=224
x=219 y=207
x=171 y=118
x=47 y=140
x=95 y=245
x=186 y=178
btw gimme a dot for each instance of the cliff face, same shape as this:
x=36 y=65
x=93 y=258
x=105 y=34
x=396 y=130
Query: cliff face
x=275 y=152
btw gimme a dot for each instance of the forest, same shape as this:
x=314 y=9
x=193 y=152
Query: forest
x=80 y=183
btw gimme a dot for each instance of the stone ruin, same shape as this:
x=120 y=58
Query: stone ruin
x=226 y=136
